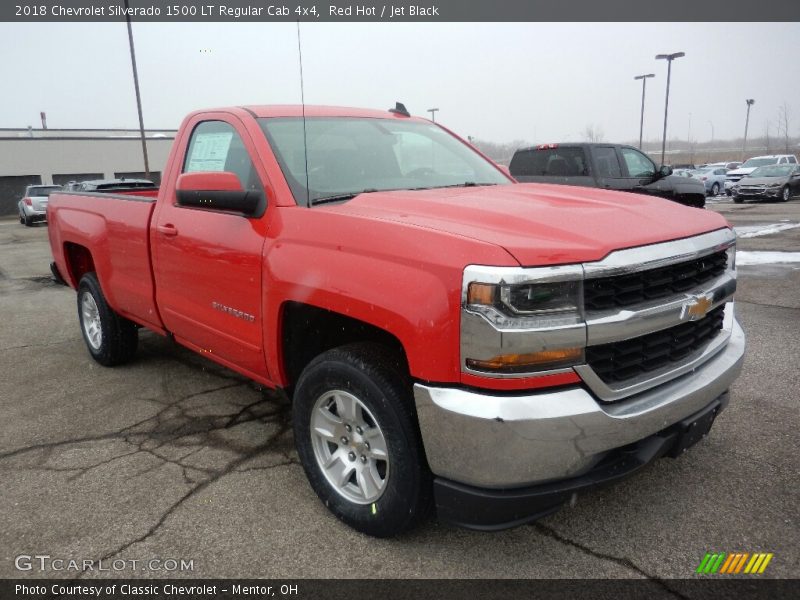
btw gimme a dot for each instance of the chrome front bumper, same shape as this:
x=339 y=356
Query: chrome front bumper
x=500 y=441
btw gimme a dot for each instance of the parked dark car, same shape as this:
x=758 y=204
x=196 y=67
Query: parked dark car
x=773 y=182
x=606 y=166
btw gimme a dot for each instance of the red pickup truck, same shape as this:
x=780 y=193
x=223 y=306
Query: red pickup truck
x=449 y=338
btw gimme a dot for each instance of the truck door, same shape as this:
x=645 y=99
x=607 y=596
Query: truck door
x=207 y=263
x=639 y=173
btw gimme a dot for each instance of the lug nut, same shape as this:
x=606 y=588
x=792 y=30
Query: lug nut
x=366 y=445
x=349 y=429
x=352 y=456
x=363 y=459
x=345 y=441
x=359 y=431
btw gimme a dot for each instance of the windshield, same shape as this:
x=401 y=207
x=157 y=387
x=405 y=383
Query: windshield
x=347 y=156
x=773 y=171
x=758 y=162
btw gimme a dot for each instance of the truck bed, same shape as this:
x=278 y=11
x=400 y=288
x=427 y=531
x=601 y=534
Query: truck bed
x=115 y=226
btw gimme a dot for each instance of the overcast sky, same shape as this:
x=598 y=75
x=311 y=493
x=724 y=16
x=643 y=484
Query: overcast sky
x=496 y=81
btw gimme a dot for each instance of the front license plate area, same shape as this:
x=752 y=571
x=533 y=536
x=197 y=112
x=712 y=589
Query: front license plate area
x=694 y=428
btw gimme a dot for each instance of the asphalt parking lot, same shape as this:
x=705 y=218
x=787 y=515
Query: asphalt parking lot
x=172 y=457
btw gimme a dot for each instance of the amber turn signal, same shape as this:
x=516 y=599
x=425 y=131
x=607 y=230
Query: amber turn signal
x=481 y=293
x=520 y=362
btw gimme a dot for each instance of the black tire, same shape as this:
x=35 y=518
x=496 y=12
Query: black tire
x=119 y=337
x=374 y=376
x=28 y=221
x=728 y=193
x=22 y=219
x=738 y=199
x=786 y=194
x=715 y=189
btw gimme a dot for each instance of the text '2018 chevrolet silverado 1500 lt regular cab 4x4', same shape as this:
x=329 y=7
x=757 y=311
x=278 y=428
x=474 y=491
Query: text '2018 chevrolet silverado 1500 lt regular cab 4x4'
x=606 y=166
x=449 y=338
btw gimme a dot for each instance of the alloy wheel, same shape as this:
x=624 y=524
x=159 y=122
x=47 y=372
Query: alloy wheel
x=349 y=447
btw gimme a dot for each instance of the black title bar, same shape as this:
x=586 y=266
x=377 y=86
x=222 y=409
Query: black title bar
x=397 y=11
x=746 y=588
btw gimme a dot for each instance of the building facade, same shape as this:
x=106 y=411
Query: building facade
x=58 y=156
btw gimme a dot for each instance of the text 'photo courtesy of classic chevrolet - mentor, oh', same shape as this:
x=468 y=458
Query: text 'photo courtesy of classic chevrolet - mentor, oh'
x=451 y=340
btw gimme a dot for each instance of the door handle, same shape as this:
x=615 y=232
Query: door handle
x=169 y=230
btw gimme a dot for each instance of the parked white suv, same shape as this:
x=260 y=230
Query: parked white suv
x=33 y=206
x=751 y=164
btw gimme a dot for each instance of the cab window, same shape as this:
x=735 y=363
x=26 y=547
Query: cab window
x=606 y=162
x=638 y=164
x=215 y=146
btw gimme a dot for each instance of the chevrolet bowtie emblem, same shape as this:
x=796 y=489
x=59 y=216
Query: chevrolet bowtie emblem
x=696 y=308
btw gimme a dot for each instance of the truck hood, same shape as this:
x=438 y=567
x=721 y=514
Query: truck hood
x=538 y=224
x=746 y=171
x=686 y=185
x=763 y=180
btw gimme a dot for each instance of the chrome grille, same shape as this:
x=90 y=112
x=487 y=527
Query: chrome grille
x=620 y=361
x=629 y=290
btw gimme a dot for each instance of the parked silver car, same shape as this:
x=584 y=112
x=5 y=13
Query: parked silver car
x=33 y=206
x=773 y=182
x=712 y=177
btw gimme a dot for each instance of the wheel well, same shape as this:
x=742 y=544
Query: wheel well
x=79 y=261
x=308 y=331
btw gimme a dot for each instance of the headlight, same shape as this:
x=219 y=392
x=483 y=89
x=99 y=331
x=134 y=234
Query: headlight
x=731 y=252
x=774 y=185
x=537 y=299
x=537 y=314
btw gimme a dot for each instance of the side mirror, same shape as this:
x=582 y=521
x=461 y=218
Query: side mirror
x=665 y=171
x=218 y=190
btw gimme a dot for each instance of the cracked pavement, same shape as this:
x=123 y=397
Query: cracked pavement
x=174 y=457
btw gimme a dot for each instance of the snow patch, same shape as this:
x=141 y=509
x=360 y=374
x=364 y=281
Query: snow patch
x=751 y=231
x=748 y=258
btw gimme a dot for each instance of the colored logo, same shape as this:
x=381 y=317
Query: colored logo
x=734 y=563
x=697 y=307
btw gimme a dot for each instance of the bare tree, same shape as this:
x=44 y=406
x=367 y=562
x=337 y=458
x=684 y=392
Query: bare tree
x=498 y=152
x=767 y=139
x=784 y=115
x=593 y=133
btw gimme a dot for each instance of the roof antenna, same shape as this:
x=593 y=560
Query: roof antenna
x=303 y=103
x=400 y=109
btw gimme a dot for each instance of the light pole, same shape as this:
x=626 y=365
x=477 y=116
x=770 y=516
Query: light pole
x=711 y=144
x=641 y=119
x=433 y=113
x=669 y=58
x=138 y=96
x=750 y=103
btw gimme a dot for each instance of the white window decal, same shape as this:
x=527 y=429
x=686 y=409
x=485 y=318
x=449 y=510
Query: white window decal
x=209 y=151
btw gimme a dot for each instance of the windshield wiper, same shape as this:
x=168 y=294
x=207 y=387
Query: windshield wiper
x=340 y=197
x=453 y=185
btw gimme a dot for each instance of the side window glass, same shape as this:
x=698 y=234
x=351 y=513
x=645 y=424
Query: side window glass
x=637 y=163
x=215 y=146
x=605 y=159
x=559 y=162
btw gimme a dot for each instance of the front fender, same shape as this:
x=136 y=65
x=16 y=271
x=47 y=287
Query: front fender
x=413 y=304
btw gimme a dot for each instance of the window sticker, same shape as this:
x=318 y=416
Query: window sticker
x=209 y=151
